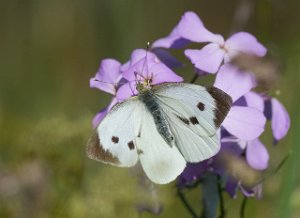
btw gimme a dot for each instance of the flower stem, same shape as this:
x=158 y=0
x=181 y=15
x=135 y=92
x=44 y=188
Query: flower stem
x=243 y=207
x=220 y=192
x=186 y=203
x=193 y=80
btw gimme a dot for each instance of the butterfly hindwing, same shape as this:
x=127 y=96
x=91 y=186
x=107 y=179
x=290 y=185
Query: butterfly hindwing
x=194 y=115
x=161 y=162
x=114 y=139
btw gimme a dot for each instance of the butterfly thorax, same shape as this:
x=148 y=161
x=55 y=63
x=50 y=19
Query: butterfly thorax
x=162 y=125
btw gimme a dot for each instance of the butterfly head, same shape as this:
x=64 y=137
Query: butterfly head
x=143 y=85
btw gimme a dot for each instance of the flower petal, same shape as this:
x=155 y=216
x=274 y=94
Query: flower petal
x=161 y=73
x=257 y=155
x=99 y=117
x=234 y=82
x=140 y=54
x=125 y=66
x=192 y=172
x=268 y=109
x=191 y=27
x=231 y=186
x=255 y=100
x=107 y=76
x=146 y=65
x=166 y=58
x=126 y=91
x=208 y=59
x=244 y=122
x=231 y=145
x=139 y=64
x=173 y=40
x=246 y=43
x=255 y=191
x=280 y=119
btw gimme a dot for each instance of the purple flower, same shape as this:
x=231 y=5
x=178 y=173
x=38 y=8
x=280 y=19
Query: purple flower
x=106 y=79
x=144 y=66
x=189 y=29
x=173 y=40
x=246 y=120
x=246 y=123
x=211 y=56
x=273 y=110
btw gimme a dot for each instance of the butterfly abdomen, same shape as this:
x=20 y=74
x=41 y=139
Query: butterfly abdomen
x=160 y=121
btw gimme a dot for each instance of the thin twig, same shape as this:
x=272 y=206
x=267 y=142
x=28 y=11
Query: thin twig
x=186 y=203
x=243 y=207
x=220 y=192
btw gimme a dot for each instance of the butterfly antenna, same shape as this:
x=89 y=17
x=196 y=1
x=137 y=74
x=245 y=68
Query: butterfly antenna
x=146 y=59
x=131 y=88
x=115 y=84
x=135 y=77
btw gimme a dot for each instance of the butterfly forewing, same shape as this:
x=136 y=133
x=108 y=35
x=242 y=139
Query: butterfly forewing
x=194 y=114
x=114 y=139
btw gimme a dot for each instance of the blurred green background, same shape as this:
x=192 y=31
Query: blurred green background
x=48 y=52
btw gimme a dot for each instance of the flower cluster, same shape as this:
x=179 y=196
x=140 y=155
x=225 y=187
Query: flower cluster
x=241 y=148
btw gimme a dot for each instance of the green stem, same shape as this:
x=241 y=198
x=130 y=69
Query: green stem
x=243 y=207
x=193 y=80
x=220 y=192
x=186 y=203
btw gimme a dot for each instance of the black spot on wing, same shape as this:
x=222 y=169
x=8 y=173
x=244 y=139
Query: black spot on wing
x=130 y=145
x=96 y=151
x=223 y=104
x=201 y=106
x=115 y=139
x=186 y=121
x=194 y=120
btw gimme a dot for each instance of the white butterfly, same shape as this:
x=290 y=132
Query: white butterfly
x=164 y=127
